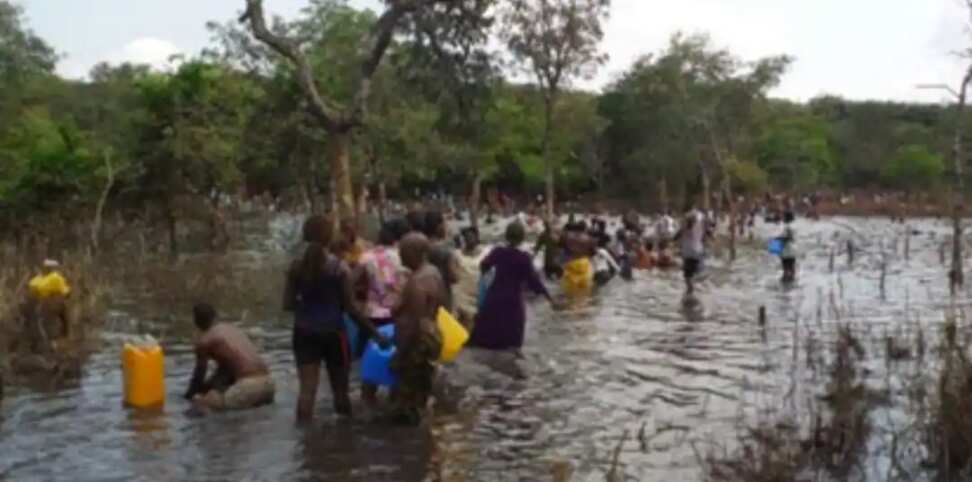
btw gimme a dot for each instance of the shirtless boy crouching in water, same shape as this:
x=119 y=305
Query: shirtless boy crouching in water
x=241 y=379
x=416 y=333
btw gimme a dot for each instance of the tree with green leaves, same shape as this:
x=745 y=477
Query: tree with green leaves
x=340 y=116
x=914 y=167
x=446 y=67
x=556 y=41
x=193 y=136
x=686 y=113
x=23 y=55
x=748 y=177
x=795 y=150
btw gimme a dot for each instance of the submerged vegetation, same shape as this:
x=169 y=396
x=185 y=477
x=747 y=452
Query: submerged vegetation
x=909 y=424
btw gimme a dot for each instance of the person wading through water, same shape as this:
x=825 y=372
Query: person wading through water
x=442 y=254
x=549 y=244
x=319 y=292
x=501 y=322
x=417 y=339
x=383 y=275
x=466 y=293
x=691 y=238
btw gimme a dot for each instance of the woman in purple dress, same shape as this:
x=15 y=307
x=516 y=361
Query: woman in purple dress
x=502 y=316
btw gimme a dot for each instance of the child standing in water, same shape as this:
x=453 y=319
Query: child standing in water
x=788 y=255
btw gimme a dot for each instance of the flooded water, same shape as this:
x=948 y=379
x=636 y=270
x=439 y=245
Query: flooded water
x=629 y=360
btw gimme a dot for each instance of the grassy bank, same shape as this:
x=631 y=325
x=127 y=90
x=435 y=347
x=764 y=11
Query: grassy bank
x=131 y=285
x=35 y=345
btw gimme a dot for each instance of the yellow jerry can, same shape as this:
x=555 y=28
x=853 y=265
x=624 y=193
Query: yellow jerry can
x=454 y=335
x=53 y=284
x=578 y=276
x=143 y=371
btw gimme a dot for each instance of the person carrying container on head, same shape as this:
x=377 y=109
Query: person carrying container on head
x=46 y=304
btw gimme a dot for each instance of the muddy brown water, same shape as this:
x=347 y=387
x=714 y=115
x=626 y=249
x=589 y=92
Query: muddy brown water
x=679 y=381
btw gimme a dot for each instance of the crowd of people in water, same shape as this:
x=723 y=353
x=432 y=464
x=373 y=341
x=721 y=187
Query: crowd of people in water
x=414 y=267
x=408 y=267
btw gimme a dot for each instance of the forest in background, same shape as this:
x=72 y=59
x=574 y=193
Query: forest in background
x=445 y=110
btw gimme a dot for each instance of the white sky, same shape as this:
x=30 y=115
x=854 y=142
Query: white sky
x=859 y=49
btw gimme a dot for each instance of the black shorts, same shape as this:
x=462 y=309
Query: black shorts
x=330 y=347
x=690 y=267
x=789 y=264
x=602 y=278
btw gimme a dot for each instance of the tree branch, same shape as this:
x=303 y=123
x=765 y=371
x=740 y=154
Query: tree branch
x=328 y=114
x=378 y=41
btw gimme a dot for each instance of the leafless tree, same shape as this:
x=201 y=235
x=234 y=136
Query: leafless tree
x=956 y=273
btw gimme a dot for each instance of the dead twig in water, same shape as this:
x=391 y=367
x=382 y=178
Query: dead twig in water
x=612 y=475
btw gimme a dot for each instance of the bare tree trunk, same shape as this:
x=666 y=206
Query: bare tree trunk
x=99 y=210
x=382 y=201
x=544 y=151
x=173 y=232
x=309 y=186
x=727 y=195
x=334 y=208
x=958 y=274
x=340 y=145
x=706 y=199
x=474 y=199
x=732 y=229
x=337 y=120
x=663 y=194
x=361 y=208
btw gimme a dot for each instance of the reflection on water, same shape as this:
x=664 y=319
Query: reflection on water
x=631 y=359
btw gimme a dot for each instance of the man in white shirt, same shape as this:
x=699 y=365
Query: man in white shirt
x=665 y=227
x=691 y=242
x=605 y=266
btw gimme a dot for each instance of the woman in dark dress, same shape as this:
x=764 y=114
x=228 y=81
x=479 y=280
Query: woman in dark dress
x=501 y=320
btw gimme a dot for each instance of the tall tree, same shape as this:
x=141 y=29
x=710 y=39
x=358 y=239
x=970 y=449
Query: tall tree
x=556 y=41
x=339 y=117
x=22 y=53
x=192 y=137
x=957 y=275
x=449 y=63
x=688 y=111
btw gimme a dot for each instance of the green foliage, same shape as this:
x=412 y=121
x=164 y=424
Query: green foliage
x=23 y=55
x=692 y=107
x=197 y=119
x=439 y=114
x=914 y=167
x=46 y=162
x=748 y=177
x=796 y=151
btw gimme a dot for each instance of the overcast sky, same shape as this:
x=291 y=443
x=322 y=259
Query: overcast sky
x=860 y=49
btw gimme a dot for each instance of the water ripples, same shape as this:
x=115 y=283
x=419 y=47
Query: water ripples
x=631 y=359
